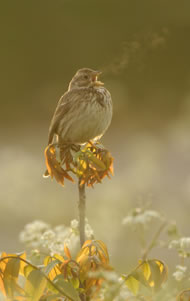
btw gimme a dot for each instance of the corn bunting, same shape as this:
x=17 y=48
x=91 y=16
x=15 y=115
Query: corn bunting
x=84 y=112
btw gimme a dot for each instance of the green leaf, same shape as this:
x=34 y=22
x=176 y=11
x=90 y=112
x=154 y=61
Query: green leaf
x=67 y=288
x=75 y=282
x=11 y=273
x=149 y=274
x=158 y=274
x=54 y=297
x=47 y=269
x=146 y=270
x=12 y=268
x=35 y=285
x=132 y=284
x=27 y=270
x=96 y=161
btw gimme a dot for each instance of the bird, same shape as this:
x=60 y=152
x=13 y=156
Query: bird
x=84 y=112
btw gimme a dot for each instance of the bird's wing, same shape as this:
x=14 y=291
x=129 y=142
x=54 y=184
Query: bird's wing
x=61 y=109
x=65 y=104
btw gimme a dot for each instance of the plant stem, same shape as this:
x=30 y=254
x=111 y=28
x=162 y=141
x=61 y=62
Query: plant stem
x=82 y=209
x=154 y=240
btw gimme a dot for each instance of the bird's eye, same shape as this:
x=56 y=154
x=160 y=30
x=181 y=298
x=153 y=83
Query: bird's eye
x=86 y=76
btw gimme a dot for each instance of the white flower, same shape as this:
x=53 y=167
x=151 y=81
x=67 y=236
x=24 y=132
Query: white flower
x=39 y=235
x=139 y=217
x=180 y=272
x=128 y=220
x=31 y=235
x=56 y=247
x=48 y=235
x=111 y=276
x=74 y=224
x=151 y=214
x=124 y=294
x=182 y=243
x=47 y=238
x=181 y=268
x=89 y=232
x=174 y=244
x=178 y=275
x=185 y=242
x=73 y=243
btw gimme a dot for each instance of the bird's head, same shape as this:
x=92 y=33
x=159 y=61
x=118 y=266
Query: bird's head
x=85 y=78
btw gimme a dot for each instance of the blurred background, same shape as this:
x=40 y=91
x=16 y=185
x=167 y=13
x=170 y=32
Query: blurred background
x=143 y=49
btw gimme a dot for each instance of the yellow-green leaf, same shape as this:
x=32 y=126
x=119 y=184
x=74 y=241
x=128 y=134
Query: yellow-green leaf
x=96 y=161
x=132 y=284
x=27 y=270
x=150 y=274
x=51 y=269
x=12 y=268
x=146 y=270
x=54 y=297
x=11 y=273
x=35 y=285
x=75 y=282
x=67 y=288
x=159 y=273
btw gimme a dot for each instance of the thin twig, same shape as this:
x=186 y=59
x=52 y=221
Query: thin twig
x=82 y=209
x=154 y=240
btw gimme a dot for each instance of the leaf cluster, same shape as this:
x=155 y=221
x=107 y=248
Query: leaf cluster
x=149 y=274
x=58 y=278
x=90 y=163
x=87 y=277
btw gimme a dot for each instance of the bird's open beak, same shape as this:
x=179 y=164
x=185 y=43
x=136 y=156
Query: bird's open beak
x=95 y=78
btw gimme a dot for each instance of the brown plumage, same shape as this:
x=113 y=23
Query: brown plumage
x=84 y=112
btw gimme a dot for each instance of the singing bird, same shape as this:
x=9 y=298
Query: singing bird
x=84 y=112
